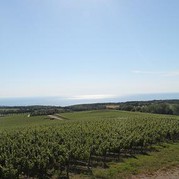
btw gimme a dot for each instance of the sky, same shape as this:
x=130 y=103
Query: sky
x=88 y=49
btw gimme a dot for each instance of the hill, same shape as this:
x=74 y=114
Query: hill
x=155 y=106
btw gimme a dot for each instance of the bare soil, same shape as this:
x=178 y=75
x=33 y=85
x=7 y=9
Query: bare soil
x=55 y=117
x=172 y=173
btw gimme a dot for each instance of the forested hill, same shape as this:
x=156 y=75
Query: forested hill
x=155 y=106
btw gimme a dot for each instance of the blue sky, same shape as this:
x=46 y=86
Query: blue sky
x=84 y=49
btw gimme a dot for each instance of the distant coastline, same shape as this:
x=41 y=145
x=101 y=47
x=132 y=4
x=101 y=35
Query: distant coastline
x=62 y=101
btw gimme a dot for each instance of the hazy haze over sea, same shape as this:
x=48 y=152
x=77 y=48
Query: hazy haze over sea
x=65 y=101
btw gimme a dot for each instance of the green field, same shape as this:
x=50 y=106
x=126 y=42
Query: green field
x=92 y=143
x=16 y=121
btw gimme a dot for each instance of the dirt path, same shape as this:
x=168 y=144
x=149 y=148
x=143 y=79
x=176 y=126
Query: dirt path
x=55 y=117
x=160 y=174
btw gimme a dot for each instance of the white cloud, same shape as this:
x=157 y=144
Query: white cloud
x=166 y=74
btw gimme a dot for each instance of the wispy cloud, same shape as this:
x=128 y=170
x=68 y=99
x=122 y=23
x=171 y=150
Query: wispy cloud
x=166 y=74
x=146 y=72
x=175 y=73
x=91 y=97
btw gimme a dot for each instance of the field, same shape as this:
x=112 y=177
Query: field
x=92 y=143
x=12 y=122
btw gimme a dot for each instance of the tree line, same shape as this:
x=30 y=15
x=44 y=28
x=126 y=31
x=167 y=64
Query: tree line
x=156 y=106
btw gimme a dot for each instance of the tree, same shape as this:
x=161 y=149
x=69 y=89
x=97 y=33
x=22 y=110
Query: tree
x=176 y=109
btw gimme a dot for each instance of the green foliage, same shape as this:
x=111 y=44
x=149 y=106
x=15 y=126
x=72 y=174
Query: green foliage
x=35 y=151
x=176 y=109
x=167 y=156
x=33 y=110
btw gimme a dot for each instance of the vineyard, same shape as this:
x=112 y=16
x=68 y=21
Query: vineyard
x=85 y=140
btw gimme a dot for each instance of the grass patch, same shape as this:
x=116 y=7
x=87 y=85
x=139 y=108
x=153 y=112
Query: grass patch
x=17 y=121
x=166 y=156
